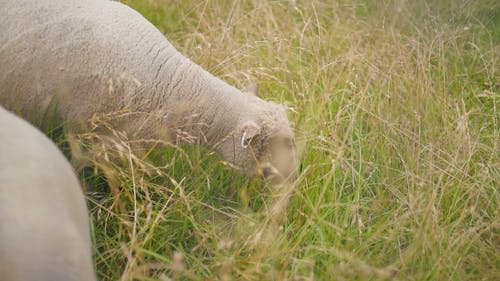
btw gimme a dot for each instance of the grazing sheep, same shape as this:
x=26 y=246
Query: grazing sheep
x=84 y=57
x=44 y=226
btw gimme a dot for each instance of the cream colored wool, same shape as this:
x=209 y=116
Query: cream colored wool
x=44 y=226
x=99 y=56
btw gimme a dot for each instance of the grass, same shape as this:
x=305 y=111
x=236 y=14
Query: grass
x=394 y=104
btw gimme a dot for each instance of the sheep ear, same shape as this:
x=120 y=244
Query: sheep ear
x=252 y=89
x=249 y=131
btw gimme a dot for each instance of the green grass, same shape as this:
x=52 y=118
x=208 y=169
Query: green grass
x=394 y=104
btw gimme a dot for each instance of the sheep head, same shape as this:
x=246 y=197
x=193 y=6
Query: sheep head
x=263 y=144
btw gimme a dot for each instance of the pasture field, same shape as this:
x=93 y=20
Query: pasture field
x=395 y=108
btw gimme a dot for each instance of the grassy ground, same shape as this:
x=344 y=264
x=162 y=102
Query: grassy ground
x=395 y=109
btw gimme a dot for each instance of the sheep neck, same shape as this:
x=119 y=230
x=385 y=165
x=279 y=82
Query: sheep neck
x=203 y=106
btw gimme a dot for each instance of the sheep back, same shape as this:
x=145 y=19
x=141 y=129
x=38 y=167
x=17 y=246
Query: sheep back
x=44 y=226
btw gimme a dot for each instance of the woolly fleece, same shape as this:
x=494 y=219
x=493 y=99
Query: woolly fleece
x=44 y=226
x=84 y=57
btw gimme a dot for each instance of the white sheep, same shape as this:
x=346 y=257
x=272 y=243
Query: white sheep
x=99 y=56
x=44 y=226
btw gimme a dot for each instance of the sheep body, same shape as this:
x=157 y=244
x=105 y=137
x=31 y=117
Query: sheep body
x=44 y=227
x=97 y=56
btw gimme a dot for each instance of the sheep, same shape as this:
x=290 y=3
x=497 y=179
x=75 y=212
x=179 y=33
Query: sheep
x=44 y=226
x=85 y=57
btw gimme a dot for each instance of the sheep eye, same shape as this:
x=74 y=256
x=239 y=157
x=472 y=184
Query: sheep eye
x=283 y=143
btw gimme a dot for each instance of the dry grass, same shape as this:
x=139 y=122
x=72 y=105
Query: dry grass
x=395 y=109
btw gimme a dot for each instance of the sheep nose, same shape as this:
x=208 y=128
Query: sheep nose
x=278 y=174
x=267 y=172
x=272 y=174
